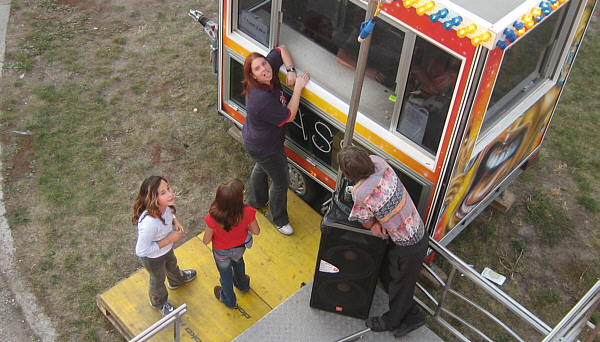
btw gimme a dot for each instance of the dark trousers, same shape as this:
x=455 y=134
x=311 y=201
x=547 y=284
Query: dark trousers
x=160 y=268
x=275 y=167
x=399 y=275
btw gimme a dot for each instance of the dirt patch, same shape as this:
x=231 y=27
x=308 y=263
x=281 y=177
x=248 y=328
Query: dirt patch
x=20 y=158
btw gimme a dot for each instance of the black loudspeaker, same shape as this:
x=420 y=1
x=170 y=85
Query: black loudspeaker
x=348 y=264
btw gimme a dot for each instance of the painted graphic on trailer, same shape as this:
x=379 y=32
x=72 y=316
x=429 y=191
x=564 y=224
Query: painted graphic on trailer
x=482 y=173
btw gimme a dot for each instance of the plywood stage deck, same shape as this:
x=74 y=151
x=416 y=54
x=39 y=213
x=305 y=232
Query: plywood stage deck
x=278 y=265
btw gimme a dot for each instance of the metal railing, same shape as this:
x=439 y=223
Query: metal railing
x=569 y=329
x=578 y=319
x=172 y=318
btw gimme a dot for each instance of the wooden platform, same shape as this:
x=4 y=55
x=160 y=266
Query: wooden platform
x=278 y=265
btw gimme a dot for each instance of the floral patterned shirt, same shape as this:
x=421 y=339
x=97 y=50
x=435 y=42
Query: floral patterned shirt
x=383 y=196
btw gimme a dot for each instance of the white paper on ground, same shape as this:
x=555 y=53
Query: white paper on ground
x=493 y=276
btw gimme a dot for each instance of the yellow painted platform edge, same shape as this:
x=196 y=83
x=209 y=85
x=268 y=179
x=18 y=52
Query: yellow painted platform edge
x=112 y=318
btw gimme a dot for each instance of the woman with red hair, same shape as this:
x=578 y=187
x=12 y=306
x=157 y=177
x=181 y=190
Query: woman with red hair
x=267 y=112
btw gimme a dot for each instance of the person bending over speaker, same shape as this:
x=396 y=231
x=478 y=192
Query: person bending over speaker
x=382 y=204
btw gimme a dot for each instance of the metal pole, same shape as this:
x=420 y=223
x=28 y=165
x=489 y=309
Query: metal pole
x=359 y=76
x=354 y=336
x=177 y=330
x=445 y=292
x=172 y=318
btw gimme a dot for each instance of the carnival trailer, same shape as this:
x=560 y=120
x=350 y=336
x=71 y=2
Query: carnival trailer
x=456 y=95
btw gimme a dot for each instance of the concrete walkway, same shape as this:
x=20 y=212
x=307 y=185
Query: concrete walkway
x=4 y=13
x=21 y=319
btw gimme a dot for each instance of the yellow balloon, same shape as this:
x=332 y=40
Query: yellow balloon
x=426 y=7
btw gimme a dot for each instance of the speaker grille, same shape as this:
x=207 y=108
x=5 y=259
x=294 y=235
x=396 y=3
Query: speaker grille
x=347 y=288
x=341 y=295
x=353 y=263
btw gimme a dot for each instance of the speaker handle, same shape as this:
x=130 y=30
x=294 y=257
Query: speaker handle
x=365 y=231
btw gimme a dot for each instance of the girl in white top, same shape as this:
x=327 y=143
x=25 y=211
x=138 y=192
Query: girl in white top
x=158 y=229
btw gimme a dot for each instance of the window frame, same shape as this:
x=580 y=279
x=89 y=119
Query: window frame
x=411 y=40
x=523 y=95
x=416 y=151
x=230 y=57
x=273 y=34
x=389 y=132
x=426 y=186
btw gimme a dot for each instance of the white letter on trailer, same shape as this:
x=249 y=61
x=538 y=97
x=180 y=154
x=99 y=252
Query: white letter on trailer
x=301 y=124
x=327 y=142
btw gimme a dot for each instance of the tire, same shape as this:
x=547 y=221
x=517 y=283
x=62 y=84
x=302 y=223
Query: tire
x=301 y=184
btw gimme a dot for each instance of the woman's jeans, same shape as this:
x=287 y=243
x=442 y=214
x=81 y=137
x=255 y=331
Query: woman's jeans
x=275 y=167
x=160 y=268
x=230 y=263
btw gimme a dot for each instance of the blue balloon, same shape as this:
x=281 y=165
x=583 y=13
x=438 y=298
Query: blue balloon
x=365 y=29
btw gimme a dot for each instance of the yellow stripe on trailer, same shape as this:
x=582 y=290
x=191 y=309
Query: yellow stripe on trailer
x=278 y=265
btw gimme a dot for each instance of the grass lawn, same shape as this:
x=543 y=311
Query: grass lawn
x=98 y=95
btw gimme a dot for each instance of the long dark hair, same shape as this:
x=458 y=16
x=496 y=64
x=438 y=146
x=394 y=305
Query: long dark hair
x=147 y=199
x=249 y=80
x=228 y=207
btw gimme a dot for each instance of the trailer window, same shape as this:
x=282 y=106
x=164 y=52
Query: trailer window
x=254 y=19
x=321 y=141
x=409 y=82
x=524 y=65
x=315 y=136
x=427 y=96
x=236 y=74
x=319 y=21
x=322 y=37
x=384 y=52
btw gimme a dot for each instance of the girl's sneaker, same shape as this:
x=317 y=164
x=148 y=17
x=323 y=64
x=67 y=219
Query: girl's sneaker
x=166 y=309
x=188 y=275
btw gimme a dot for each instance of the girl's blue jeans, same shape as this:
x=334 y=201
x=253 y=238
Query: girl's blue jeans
x=230 y=263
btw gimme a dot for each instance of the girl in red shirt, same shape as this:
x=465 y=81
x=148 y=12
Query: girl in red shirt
x=228 y=226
